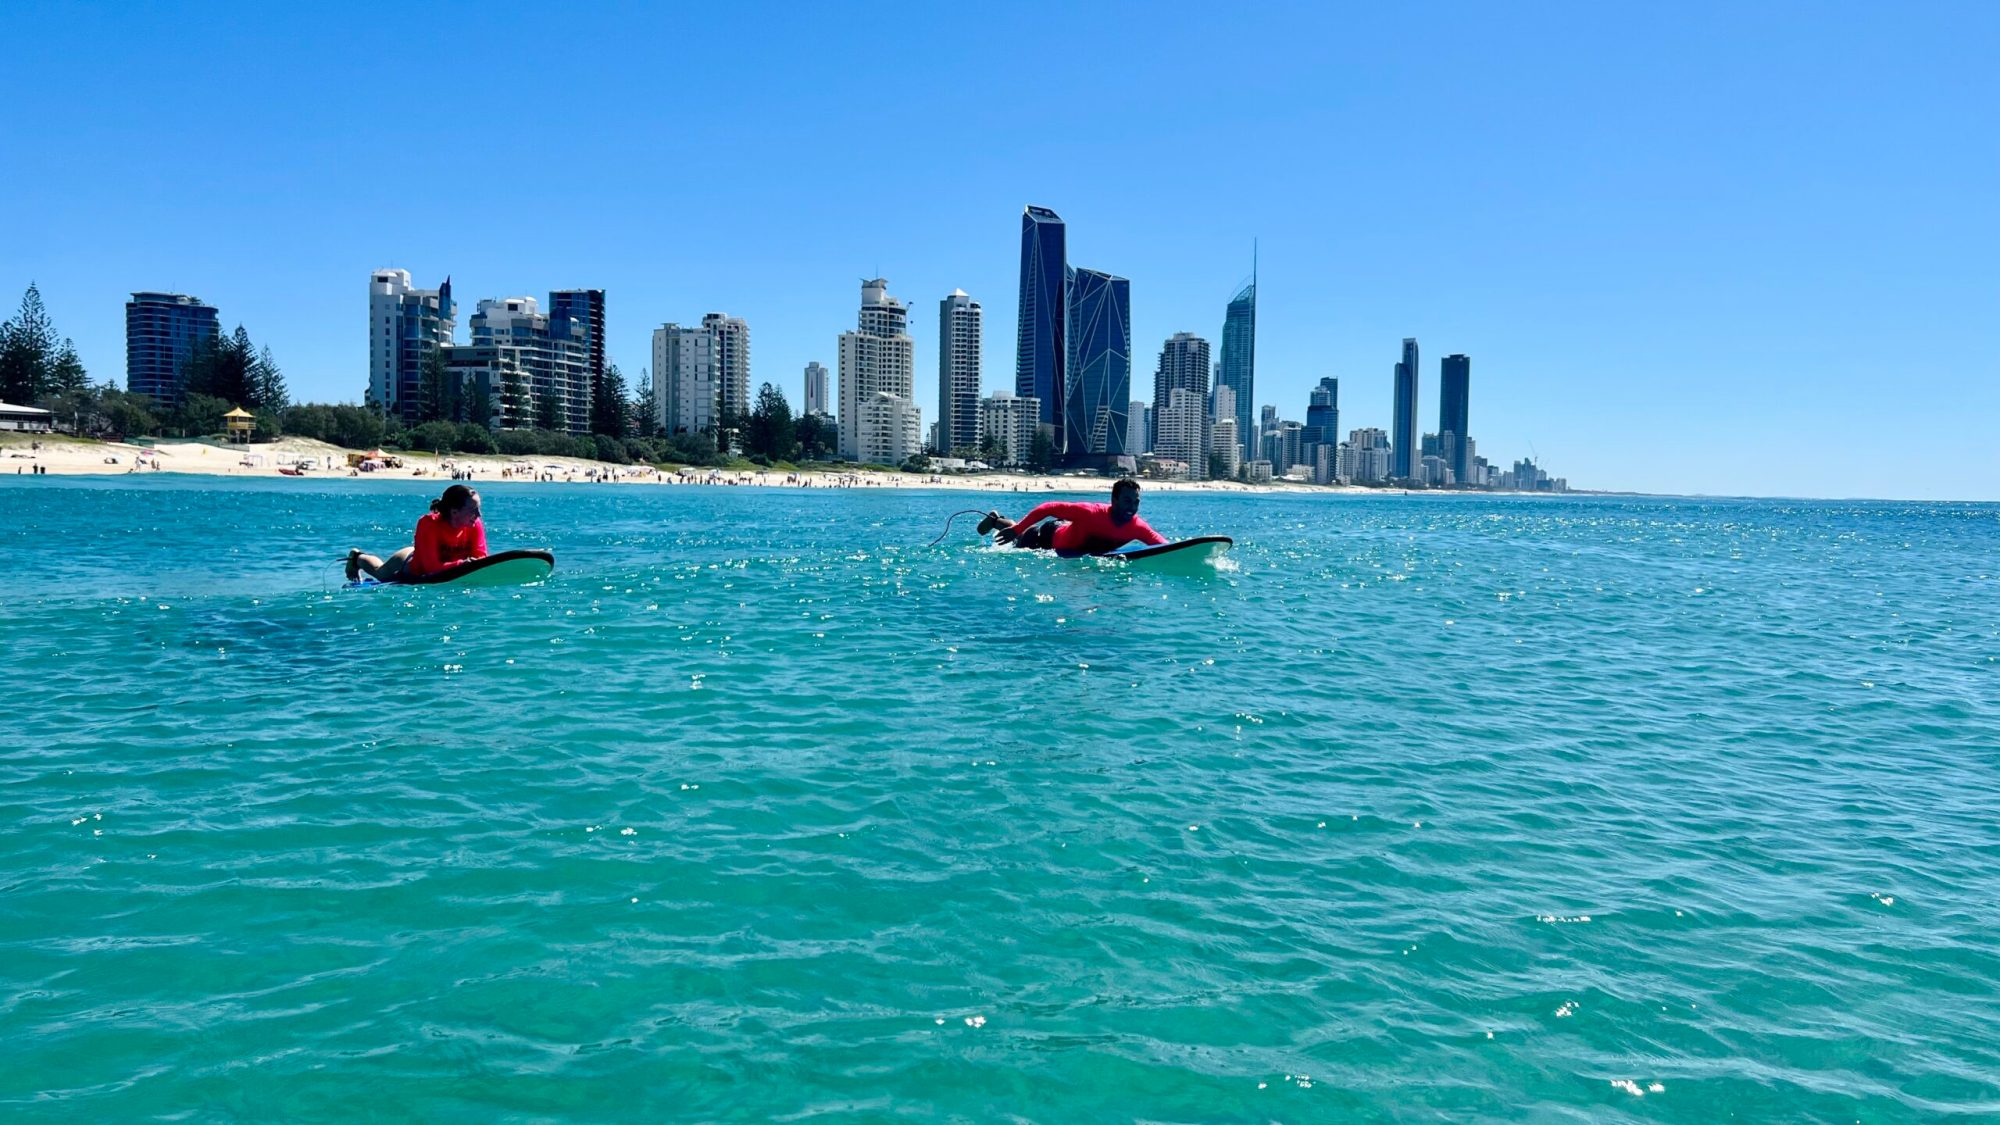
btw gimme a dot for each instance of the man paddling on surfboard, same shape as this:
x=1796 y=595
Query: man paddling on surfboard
x=451 y=534
x=1078 y=529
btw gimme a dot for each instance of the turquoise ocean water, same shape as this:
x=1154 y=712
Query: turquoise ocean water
x=1430 y=808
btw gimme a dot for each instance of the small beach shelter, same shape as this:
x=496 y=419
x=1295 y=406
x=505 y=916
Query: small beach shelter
x=240 y=423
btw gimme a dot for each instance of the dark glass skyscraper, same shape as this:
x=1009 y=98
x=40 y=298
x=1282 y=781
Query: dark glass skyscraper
x=1454 y=393
x=161 y=331
x=586 y=307
x=1042 y=350
x=1238 y=367
x=1403 y=460
x=1322 y=416
x=1098 y=399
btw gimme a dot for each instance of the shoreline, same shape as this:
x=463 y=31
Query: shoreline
x=66 y=456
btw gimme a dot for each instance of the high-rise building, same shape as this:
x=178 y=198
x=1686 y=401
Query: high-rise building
x=1139 y=417
x=1011 y=421
x=1287 y=447
x=552 y=359
x=1366 y=457
x=877 y=363
x=1042 y=347
x=687 y=376
x=585 y=309
x=959 y=329
x=1184 y=366
x=1238 y=368
x=1223 y=444
x=1222 y=404
x=406 y=326
x=1454 y=394
x=161 y=331
x=1096 y=422
x=1322 y=418
x=816 y=400
x=732 y=359
x=1404 y=463
x=492 y=383
x=1184 y=428
x=701 y=375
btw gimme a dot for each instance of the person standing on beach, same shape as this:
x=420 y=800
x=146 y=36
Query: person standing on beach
x=1078 y=529
x=451 y=534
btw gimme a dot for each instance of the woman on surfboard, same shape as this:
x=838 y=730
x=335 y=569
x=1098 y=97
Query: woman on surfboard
x=1078 y=529
x=450 y=535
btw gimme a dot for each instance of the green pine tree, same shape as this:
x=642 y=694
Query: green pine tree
x=610 y=411
x=770 y=431
x=270 y=383
x=1041 y=451
x=645 y=412
x=66 y=373
x=27 y=351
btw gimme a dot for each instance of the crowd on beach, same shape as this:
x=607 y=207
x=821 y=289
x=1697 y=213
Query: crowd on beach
x=310 y=459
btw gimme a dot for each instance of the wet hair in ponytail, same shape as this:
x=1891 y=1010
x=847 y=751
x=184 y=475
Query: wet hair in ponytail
x=454 y=498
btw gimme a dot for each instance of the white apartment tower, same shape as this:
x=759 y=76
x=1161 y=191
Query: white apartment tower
x=732 y=359
x=1223 y=438
x=959 y=320
x=1183 y=426
x=879 y=420
x=405 y=326
x=552 y=359
x=687 y=375
x=1012 y=421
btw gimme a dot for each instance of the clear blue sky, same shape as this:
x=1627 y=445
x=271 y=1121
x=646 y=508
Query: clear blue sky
x=1726 y=248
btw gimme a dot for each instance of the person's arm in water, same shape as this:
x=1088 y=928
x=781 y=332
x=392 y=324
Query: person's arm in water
x=1055 y=509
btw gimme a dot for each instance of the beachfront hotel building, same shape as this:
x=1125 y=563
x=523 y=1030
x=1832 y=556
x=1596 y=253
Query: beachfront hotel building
x=1285 y=446
x=959 y=331
x=816 y=400
x=1222 y=404
x=1223 y=445
x=1183 y=366
x=549 y=357
x=1097 y=401
x=1010 y=420
x=732 y=363
x=1184 y=428
x=1365 y=458
x=161 y=331
x=406 y=326
x=1041 y=346
x=584 y=307
x=1403 y=461
x=878 y=362
x=687 y=372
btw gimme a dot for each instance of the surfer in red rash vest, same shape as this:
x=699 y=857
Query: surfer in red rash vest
x=1078 y=529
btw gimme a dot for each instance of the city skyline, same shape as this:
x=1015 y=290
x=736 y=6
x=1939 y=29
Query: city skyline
x=1649 y=272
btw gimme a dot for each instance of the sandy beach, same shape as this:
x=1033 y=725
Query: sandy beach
x=24 y=454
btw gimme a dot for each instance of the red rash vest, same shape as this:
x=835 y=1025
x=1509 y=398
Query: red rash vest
x=441 y=546
x=1088 y=528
